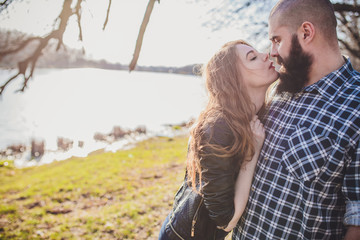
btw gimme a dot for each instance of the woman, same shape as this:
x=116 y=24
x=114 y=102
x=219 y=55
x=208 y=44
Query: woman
x=224 y=145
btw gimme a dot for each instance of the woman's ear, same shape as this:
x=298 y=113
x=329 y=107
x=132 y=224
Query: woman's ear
x=307 y=32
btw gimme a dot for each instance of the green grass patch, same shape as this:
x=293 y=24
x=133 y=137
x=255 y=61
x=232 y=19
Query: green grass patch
x=121 y=195
x=7 y=209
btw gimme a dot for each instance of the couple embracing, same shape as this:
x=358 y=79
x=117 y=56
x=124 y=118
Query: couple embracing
x=294 y=171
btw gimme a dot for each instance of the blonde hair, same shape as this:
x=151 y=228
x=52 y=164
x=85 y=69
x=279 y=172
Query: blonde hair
x=228 y=100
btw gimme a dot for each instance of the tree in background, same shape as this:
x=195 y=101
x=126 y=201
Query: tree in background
x=250 y=18
x=27 y=66
x=348 y=15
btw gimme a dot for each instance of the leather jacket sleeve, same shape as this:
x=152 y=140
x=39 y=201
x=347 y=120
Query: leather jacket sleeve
x=218 y=175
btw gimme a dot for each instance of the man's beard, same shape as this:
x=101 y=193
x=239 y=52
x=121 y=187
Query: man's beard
x=296 y=67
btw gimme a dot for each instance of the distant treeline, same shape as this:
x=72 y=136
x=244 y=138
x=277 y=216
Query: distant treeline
x=72 y=58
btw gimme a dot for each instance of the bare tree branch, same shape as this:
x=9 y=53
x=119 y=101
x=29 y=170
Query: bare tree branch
x=349 y=48
x=4 y=4
x=78 y=15
x=30 y=62
x=4 y=85
x=350 y=29
x=343 y=7
x=26 y=67
x=18 y=48
x=107 y=15
x=139 y=40
x=349 y=26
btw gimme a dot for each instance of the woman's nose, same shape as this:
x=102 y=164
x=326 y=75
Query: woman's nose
x=266 y=56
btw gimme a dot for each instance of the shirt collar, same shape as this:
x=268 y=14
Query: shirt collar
x=329 y=85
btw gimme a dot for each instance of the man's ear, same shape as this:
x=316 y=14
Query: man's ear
x=307 y=32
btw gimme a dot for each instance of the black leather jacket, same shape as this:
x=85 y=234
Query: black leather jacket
x=196 y=217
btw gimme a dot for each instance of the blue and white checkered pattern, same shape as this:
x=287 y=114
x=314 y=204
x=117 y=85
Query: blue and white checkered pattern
x=307 y=181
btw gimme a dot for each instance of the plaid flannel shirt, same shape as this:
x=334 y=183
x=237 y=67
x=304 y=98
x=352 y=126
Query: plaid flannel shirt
x=307 y=180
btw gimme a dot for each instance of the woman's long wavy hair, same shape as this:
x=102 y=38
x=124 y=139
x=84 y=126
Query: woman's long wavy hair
x=228 y=100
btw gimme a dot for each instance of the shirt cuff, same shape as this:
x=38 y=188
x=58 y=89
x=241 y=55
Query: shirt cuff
x=352 y=214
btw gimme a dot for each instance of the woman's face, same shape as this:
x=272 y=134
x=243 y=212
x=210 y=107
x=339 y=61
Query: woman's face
x=256 y=69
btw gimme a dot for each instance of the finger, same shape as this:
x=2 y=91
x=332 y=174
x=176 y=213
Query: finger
x=252 y=123
x=257 y=123
x=261 y=127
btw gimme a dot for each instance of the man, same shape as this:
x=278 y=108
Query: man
x=307 y=181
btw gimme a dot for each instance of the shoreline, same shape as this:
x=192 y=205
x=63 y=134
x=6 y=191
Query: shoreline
x=126 y=142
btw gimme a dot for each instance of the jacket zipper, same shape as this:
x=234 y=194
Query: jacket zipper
x=176 y=232
x=195 y=219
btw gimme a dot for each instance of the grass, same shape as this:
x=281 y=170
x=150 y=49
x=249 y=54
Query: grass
x=122 y=195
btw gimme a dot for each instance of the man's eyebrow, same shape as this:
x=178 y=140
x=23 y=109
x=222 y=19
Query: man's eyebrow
x=273 y=38
x=251 y=51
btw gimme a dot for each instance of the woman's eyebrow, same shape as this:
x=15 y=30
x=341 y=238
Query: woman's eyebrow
x=251 y=51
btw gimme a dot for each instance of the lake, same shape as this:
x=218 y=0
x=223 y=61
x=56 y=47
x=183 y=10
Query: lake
x=77 y=103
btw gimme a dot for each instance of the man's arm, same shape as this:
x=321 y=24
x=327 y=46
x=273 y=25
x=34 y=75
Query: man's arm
x=351 y=190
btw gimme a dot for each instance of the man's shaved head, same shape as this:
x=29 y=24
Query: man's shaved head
x=292 y=13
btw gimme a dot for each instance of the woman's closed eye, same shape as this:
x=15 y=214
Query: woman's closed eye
x=251 y=56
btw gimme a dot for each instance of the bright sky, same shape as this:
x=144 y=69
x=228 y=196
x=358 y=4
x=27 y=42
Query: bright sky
x=175 y=35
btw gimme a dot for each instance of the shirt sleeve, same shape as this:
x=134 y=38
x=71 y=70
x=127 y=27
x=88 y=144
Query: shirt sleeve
x=218 y=177
x=351 y=189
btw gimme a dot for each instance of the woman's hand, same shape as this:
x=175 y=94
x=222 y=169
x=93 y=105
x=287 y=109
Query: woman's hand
x=259 y=133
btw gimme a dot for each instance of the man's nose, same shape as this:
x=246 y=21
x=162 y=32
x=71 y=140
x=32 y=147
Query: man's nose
x=273 y=52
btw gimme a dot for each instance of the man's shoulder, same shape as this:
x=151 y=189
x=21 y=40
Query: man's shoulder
x=278 y=100
x=351 y=86
x=354 y=77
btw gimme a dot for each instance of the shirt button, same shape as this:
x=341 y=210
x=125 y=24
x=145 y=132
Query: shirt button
x=280 y=127
x=253 y=189
x=266 y=158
